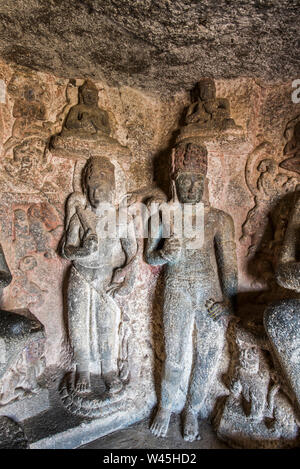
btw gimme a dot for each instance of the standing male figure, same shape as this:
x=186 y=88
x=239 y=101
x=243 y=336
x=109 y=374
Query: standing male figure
x=200 y=283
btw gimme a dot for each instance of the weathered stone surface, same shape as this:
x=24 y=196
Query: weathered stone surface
x=241 y=431
x=282 y=323
x=153 y=45
x=11 y=435
x=244 y=177
x=138 y=437
x=259 y=411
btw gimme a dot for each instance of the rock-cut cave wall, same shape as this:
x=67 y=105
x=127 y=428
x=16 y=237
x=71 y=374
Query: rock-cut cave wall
x=245 y=180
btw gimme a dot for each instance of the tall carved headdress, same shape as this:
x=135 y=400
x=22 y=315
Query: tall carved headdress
x=189 y=158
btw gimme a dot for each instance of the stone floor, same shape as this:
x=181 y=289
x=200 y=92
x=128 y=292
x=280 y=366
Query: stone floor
x=138 y=436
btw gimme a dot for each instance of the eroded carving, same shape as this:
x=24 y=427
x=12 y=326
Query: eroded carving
x=22 y=348
x=208 y=115
x=258 y=412
x=267 y=184
x=31 y=163
x=292 y=148
x=31 y=100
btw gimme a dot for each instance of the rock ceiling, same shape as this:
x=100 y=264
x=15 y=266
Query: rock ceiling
x=160 y=45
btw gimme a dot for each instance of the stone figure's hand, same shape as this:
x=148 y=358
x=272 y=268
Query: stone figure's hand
x=171 y=250
x=121 y=289
x=70 y=252
x=118 y=276
x=90 y=242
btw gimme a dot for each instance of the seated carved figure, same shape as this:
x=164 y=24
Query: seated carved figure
x=208 y=111
x=86 y=118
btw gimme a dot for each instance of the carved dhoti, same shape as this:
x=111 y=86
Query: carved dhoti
x=94 y=319
x=186 y=319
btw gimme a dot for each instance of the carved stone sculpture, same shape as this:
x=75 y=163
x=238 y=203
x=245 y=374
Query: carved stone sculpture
x=21 y=348
x=258 y=412
x=208 y=115
x=267 y=188
x=282 y=321
x=86 y=130
x=95 y=278
x=200 y=285
x=265 y=388
x=292 y=148
x=86 y=118
x=30 y=164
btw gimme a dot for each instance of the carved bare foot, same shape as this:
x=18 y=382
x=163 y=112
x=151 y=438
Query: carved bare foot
x=161 y=422
x=191 y=426
x=83 y=383
x=113 y=384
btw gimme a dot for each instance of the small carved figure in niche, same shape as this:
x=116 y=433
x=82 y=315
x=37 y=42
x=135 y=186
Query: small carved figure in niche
x=30 y=163
x=199 y=282
x=208 y=111
x=258 y=412
x=32 y=99
x=98 y=265
x=292 y=148
x=267 y=185
x=251 y=378
x=86 y=118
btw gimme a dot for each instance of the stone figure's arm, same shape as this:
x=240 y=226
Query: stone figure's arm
x=72 y=121
x=159 y=251
x=129 y=244
x=193 y=112
x=288 y=267
x=73 y=247
x=100 y=120
x=124 y=277
x=151 y=253
x=226 y=257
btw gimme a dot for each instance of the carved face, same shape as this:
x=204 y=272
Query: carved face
x=267 y=165
x=100 y=189
x=89 y=95
x=207 y=90
x=99 y=181
x=190 y=187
